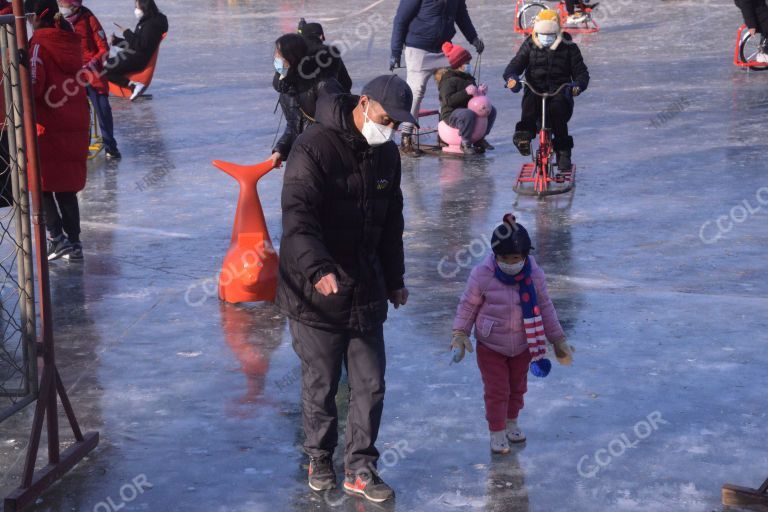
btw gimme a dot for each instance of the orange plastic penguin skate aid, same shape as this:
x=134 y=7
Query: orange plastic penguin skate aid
x=249 y=272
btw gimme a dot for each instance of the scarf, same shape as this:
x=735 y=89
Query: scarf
x=532 y=321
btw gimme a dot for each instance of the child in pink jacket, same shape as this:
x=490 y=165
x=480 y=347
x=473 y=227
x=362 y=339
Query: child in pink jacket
x=506 y=300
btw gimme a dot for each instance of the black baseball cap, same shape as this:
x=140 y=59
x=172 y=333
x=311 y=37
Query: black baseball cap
x=394 y=95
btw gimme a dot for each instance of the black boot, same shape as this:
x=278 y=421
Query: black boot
x=564 y=160
x=407 y=146
x=468 y=149
x=522 y=140
x=484 y=145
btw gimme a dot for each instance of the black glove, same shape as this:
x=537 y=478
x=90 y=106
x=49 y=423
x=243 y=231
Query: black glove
x=394 y=62
x=479 y=45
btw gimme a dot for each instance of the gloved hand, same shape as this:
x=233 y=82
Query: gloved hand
x=514 y=85
x=563 y=352
x=394 y=62
x=471 y=90
x=461 y=342
x=482 y=89
x=479 y=45
x=575 y=89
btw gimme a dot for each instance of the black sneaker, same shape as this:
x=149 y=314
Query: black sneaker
x=484 y=145
x=112 y=154
x=368 y=485
x=76 y=254
x=321 y=474
x=522 y=142
x=58 y=247
x=564 y=160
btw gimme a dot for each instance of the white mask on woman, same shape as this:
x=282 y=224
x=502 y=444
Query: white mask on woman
x=547 y=40
x=376 y=134
x=65 y=11
x=139 y=13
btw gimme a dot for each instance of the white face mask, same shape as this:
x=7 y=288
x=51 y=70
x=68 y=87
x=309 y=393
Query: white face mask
x=65 y=11
x=511 y=269
x=376 y=134
x=139 y=13
x=546 y=40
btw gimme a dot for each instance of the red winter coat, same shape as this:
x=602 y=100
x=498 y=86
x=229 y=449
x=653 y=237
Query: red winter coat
x=5 y=7
x=63 y=118
x=95 y=48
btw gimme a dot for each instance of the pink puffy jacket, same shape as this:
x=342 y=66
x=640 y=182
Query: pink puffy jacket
x=494 y=309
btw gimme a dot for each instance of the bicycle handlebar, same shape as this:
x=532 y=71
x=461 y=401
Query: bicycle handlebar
x=544 y=94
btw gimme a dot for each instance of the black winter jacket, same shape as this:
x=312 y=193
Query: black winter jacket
x=452 y=92
x=547 y=69
x=342 y=214
x=300 y=90
x=427 y=24
x=142 y=42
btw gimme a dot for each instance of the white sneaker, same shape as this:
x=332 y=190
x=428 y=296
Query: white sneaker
x=576 y=18
x=762 y=57
x=499 y=443
x=514 y=434
x=137 y=90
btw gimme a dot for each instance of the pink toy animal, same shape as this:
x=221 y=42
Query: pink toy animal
x=480 y=105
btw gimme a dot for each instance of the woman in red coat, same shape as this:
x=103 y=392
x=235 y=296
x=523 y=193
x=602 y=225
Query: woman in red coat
x=95 y=51
x=63 y=124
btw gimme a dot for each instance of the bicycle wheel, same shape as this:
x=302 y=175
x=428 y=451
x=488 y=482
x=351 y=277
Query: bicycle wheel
x=528 y=14
x=750 y=46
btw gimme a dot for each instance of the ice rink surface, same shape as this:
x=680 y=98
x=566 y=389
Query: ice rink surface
x=199 y=401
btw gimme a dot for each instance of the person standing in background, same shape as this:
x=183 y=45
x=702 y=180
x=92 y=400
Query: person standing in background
x=95 y=50
x=419 y=30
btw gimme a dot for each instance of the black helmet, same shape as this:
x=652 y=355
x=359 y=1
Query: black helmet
x=510 y=238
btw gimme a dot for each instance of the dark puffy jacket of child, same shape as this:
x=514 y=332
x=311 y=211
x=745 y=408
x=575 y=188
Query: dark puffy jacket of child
x=549 y=59
x=453 y=85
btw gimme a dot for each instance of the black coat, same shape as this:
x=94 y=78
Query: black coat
x=755 y=14
x=548 y=69
x=319 y=73
x=453 y=92
x=342 y=214
x=142 y=43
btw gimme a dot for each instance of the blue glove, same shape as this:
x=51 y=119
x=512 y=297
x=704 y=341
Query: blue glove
x=394 y=62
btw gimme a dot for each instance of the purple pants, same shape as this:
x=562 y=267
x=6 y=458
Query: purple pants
x=464 y=120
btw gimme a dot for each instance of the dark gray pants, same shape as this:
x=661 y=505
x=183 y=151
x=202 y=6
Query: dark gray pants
x=68 y=221
x=321 y=353
x=464 y=120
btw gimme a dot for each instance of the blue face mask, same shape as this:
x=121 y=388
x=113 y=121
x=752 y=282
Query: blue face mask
x=546 y=40
x=468 y=69
x=280 y=66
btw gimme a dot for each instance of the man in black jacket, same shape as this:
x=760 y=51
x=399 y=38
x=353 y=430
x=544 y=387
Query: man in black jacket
x=755 y=13
x=341 y=259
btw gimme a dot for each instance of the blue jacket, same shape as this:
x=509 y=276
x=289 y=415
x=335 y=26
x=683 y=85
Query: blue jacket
x=427 y=24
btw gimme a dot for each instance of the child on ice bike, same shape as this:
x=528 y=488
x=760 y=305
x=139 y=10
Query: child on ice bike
x=549 y=58
x=755 y=13
x=507 y=303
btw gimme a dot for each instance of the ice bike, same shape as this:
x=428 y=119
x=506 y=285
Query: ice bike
x=540 y=177
x=527 y=10
x=747 y=47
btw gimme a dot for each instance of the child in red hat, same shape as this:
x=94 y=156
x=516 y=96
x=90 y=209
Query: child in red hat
x=456 y=86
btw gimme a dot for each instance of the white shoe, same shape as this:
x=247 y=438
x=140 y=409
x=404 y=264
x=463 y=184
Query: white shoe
x=499 y=443
x=514 y=434
x=137 y=90
x=576 y=18
x=762 y=57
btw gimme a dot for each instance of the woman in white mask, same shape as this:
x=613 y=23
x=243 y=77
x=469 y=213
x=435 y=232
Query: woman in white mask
x=138 y=45
x=549 y=59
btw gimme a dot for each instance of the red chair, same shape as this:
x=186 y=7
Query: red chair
x=143 y=77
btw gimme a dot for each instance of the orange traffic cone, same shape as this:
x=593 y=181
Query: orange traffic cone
x=249 y=272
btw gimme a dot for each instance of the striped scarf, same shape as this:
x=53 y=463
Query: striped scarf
x=532 y=321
